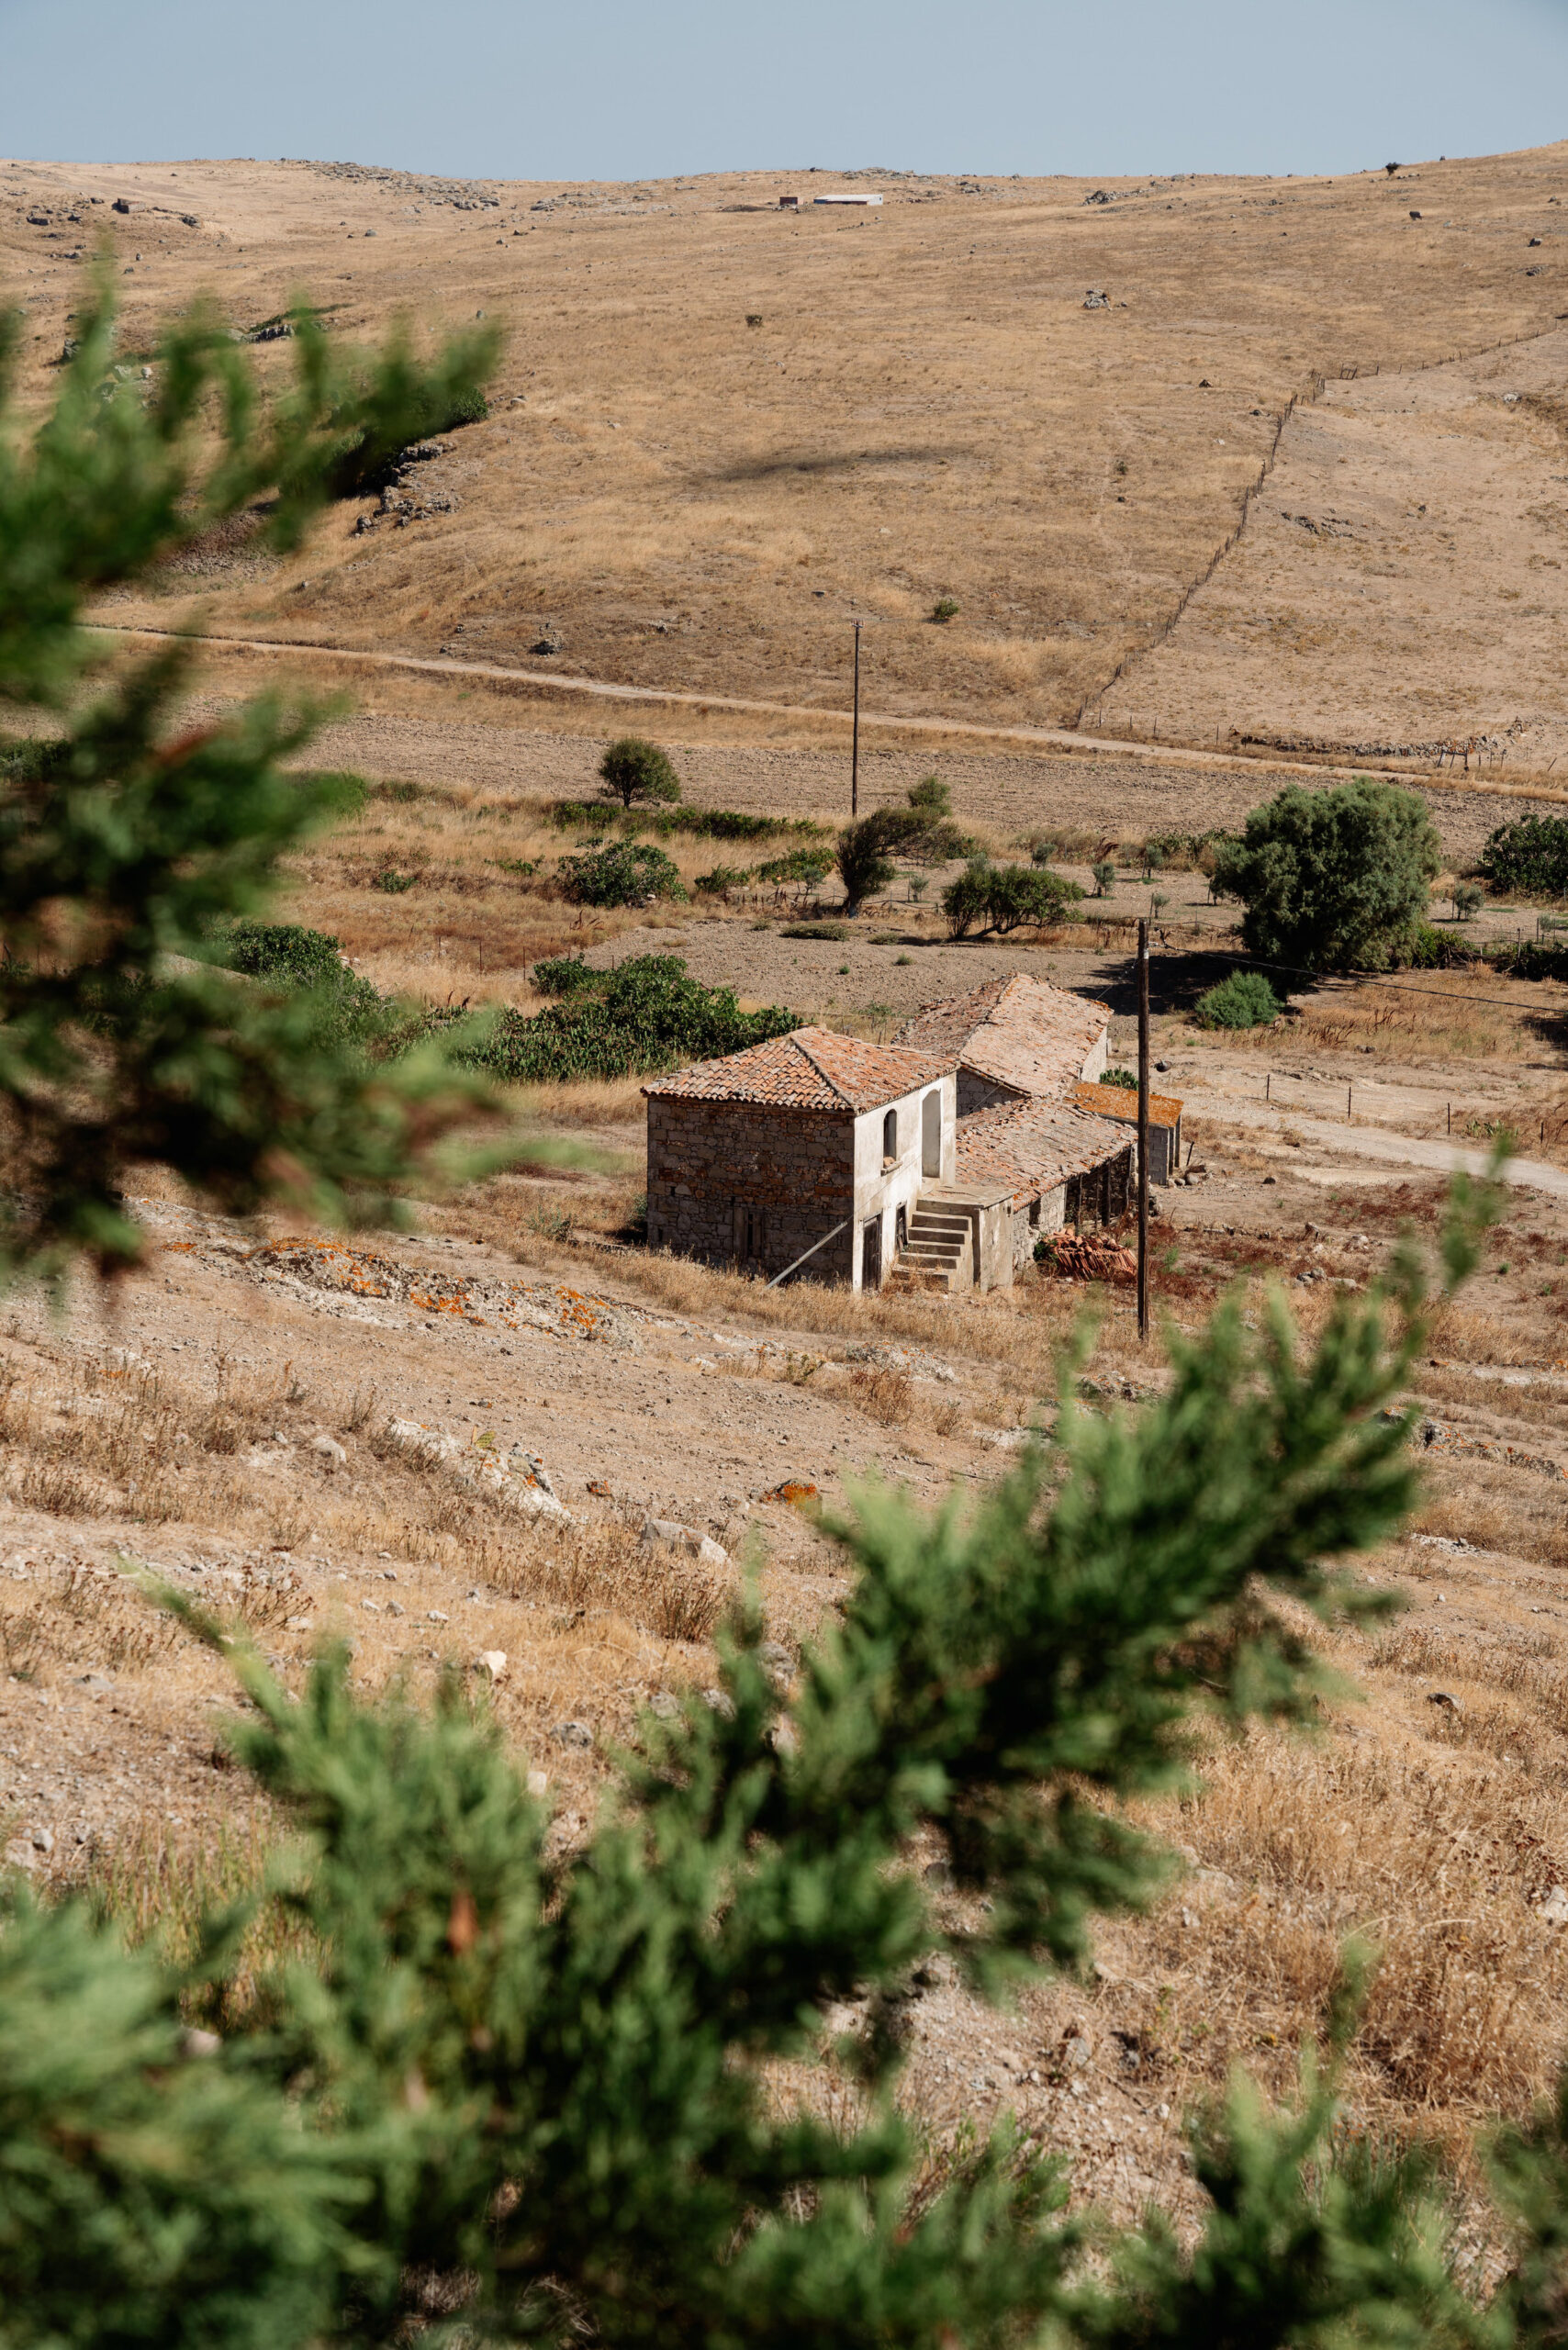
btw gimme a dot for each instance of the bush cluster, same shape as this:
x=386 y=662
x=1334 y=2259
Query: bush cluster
x=1529 y=855
x=701 y=823
x=987 y=899
x=620 y=873
x=644 y=1016
x=297 y=962
x=1245 y=999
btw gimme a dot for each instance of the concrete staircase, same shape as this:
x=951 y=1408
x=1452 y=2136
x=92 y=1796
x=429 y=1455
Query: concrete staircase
x=937 y=1254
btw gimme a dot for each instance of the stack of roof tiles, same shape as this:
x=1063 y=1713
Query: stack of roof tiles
x=1120 y=1102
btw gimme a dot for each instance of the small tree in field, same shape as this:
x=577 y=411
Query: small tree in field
x=864 y=854
x=638 y=774
x=1332 y=880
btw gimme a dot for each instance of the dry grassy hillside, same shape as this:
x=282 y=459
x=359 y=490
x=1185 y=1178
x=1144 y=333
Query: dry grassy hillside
x=925 y=409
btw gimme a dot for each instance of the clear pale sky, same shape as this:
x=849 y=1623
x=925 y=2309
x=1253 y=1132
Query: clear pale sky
x=624 y=88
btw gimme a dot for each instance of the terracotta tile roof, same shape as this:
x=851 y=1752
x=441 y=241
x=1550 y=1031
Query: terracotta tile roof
x=1021 y=1032
x=1120 y=1102
x=1033 y=1145
x=811 y=1068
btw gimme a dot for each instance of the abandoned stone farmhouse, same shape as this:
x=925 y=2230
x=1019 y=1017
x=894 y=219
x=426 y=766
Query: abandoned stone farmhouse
x=936 y=1161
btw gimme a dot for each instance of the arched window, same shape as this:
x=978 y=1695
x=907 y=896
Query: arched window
x=891 y=1135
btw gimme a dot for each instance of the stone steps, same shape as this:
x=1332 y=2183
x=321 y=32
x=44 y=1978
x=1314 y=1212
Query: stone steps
x=936 y=1254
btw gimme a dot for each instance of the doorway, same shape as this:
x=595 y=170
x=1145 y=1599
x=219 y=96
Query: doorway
x=931 y=1136
x=871 y=1254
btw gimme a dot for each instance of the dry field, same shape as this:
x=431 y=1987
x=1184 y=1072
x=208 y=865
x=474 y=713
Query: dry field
x=923 y=409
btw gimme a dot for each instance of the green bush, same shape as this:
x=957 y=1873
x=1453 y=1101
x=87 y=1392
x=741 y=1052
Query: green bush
x=1468 y=900
x=1529 y=856
x=562 y=975
x=722 y=880
x=308 y=966
x=642 y=1017
x=1243 y=1001
x=1124 y=1077
x=701 y=823
x=395 y=884
x=945 y=608
x=621 y=873
x=634 y=770
x=808 y=866
x=1332 y=880
x=829 y=930
x=1427 y=948
x=987 y=899
x=1104 y=878
x=863 y=855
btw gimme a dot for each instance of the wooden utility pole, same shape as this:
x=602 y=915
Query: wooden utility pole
x=1143 y=1129
x=855 y=737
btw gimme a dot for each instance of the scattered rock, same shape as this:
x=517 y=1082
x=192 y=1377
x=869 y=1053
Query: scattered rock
x=776 y=1662
x=664 y=1704
x=1076 y=2052
x=437 y=1615
x=119 y=205
x=572 y=1734
x=1440 y=1697
x=538 y=1782
x=195 y=2042
x=1093 y=300
x=330 y=1452
x=797 y=1492
x=686 y=1537
x=1553 y=1908
x=545 y=645
x=939 y=1875
x=42 y=1840
x=935 y=1972
x=493 y=1661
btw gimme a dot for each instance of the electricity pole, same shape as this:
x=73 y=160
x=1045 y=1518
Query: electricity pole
x=855 y=737
x=1143 y=1130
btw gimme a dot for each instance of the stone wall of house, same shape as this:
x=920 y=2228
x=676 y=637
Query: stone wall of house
x=749 y=1183
x=977 y=1092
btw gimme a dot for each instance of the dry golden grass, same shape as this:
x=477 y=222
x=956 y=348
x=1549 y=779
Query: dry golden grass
x=923 y=412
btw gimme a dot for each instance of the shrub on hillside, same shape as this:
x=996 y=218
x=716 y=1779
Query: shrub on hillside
x=643 y=1016
x=621 y=873
x=1122 y=1077
x=988 y=898
x=721 y=881
x=291 y=960
x=806 y=866
x=1427 y=948
x=1245 y=999
x=1105 y=873
x=1332 y=880
x=1529 y=855
x=637 y=772
x=864 y=857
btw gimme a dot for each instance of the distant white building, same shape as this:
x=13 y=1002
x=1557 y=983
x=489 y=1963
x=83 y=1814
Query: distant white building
x=847 y=200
